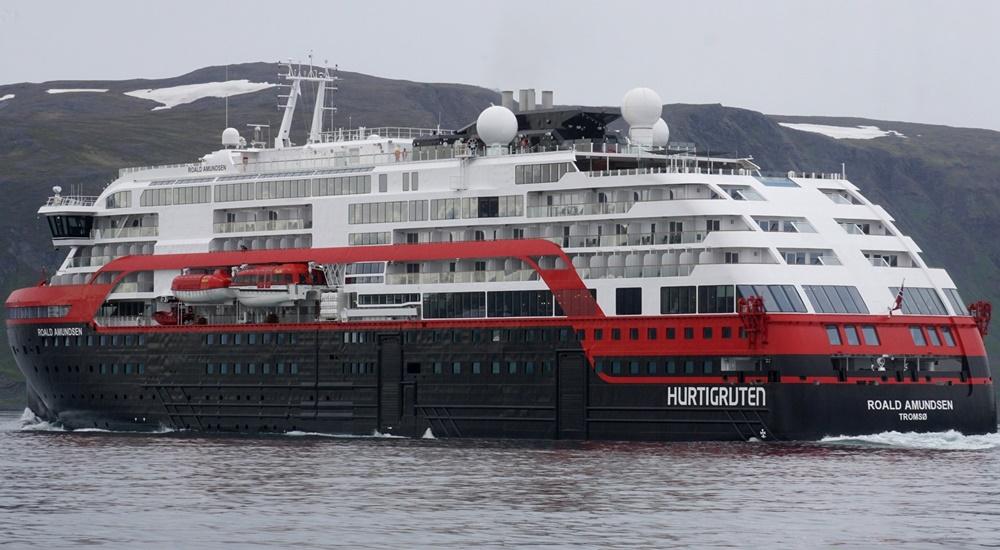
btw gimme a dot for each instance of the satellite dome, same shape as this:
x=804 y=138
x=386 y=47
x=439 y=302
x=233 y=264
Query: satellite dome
x=374 y=137
x=496 y=125
x=230 y=137
x=641 y=107
x=661 y=133
x=56 y=189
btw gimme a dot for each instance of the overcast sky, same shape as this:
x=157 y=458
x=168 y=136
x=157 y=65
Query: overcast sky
x=917 y=61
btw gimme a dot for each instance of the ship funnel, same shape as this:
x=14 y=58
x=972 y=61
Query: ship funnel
x=546 y=99
x=507 y=99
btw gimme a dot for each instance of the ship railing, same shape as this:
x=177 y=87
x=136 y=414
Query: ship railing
x=122 y=172
x=71 y=200
x=645 y=239
x=124 y=232
x=580 y=209
x=518 y=275
x=90 y=261
x=262 y=225
x=121 y=320
x=385 y=132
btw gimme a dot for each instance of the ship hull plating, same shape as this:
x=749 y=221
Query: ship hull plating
x=464 y=384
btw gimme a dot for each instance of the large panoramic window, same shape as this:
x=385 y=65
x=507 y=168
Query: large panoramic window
x=920 y=301
x=835 y=299
x=777 y=298
x=678 y=299
x=454 y=305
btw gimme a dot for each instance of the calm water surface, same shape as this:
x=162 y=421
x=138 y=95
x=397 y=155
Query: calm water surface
x=177 y=490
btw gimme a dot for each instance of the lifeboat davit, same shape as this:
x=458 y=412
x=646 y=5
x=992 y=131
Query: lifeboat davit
x=203 y=288
x=274 y=285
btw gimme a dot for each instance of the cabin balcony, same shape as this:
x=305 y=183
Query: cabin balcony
x=254 y=220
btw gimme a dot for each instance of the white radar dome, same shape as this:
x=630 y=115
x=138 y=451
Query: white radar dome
x=641 y=107
x=230 y=137
x=496 y=125
x=56 y=189
x=661 y=133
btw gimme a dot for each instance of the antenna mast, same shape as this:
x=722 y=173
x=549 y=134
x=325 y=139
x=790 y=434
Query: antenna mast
x=324 y=79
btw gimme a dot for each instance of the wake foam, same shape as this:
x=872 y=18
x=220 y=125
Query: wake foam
x=29 y=422
x=944 y=441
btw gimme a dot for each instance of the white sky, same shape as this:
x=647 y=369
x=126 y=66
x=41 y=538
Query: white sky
x=910 y=60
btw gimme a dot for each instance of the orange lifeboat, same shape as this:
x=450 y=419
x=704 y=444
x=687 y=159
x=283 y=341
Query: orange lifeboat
x=203 y=288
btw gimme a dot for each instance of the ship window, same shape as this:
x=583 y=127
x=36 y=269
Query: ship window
x=529 y=367
x=651 y=334
x=688 y=333
x=252 y=368
x=238 y=368
x=445 y=305
x=651 y=367
x=870 y=335
x=727 y=332
x=224 y=368
x=956 y=301
x=224 y=339
x=716 y=299
x=628 y=301
x=598 y=334
x=689 y=367
x=946 y=333
x=598 y=366
x=616 y=367
x=633 y=367
x=616 y=334
x=456 y=368
x=678 y=299
x=280 y=368
x=265 y=368
x=476 y=367
x=294 y=368
x=671 y=367
x=706 y=333
x=266 y=338
x=495 y=367
x=104 y=368
x=128 y=368
x=833 y=335
x=512 y=367
x=142 y=368
x=851 y=334
x=932 y=335
x=918 y=336
x=520 y=303
x=920 y=301
x=670 y=333
x=114 y=368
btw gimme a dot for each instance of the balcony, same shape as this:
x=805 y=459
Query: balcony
x=462 y=277
x=580 y=209
x=645 y=239
x=262 y=225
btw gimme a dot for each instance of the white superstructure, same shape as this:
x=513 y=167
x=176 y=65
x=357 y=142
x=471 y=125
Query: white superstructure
x=646 y=225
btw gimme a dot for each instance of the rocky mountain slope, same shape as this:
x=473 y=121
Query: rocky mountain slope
x=939 y=182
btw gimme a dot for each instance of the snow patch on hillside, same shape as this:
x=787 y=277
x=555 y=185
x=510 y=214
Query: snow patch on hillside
x=843 y=132
x=179 y=95
x=75 y=90
x=6 y=97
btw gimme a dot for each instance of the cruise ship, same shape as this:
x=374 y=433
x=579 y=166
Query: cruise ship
x=535 y=274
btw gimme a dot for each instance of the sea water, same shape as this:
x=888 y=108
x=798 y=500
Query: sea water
x=86 y=489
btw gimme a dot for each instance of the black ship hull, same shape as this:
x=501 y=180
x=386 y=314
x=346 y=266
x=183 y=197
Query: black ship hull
x=470 y=383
